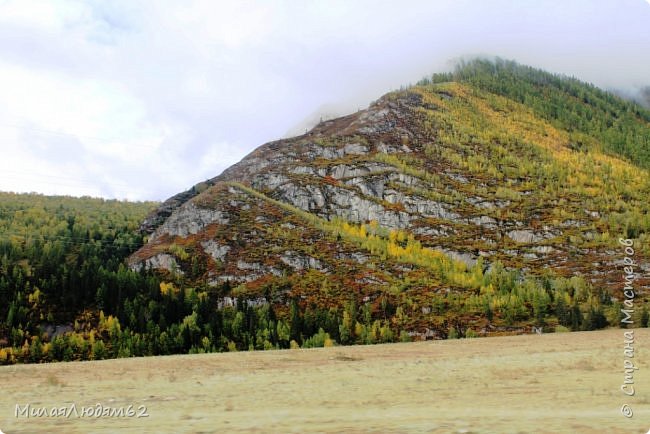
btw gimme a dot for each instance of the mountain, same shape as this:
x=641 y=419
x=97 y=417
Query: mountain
x=491 y=200
x=482 y=201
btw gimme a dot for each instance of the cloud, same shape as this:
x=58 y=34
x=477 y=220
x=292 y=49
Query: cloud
x=144 y=99
x=70 y=127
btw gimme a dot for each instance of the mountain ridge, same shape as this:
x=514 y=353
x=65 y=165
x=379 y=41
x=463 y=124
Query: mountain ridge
x=446 y=209
x=444 y=166
x=466 y=71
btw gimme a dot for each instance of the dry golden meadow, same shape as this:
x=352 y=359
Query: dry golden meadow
x=567 y=382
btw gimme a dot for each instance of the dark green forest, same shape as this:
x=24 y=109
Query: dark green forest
x=66 y=293
x=618 y=125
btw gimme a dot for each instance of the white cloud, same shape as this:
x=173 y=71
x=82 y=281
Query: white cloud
x=64 y=127
x=41 y=15
x=144 y=99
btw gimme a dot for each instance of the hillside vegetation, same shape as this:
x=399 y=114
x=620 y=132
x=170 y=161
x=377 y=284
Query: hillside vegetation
x=61 y=260
x=482 y=202
x=594 y=119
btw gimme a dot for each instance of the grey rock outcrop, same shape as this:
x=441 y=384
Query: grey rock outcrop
x=216 y=250
x=189 y=219
x=300 y=262
x=161 y=261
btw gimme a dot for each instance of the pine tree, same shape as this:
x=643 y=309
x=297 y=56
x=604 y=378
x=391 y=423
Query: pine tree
x=295 y=322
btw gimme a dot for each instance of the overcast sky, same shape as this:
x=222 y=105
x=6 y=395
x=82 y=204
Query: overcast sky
x=142 y=99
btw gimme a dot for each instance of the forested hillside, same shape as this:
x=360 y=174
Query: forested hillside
x=485 y=201
x=594 y=119
x=61 y=260
x=482 y=202
x=68 y=295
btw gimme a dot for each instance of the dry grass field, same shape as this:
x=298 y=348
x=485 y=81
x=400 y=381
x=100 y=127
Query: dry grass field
x=567 y=382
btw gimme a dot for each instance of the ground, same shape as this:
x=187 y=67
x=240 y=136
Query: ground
x=565 y=382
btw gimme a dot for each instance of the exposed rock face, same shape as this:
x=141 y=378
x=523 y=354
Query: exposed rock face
x=299 y=262
x=527 y=236
x=189 y=219
x=468 y=259
x=381 y=165
x=161 y=261
x=267 y=166
x=484 y=221
x=269 y=181
x=166 y=209
x=256 y=269
x=215 y=250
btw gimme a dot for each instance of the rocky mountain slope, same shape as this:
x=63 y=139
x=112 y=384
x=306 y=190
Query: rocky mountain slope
x=487 y=200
